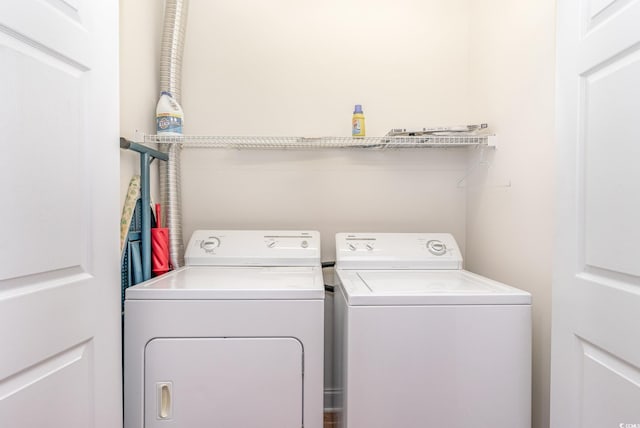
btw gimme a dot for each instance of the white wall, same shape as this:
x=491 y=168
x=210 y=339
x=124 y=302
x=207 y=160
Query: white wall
x=285 y=67
x=297 y=68
x=509 y=230
x=288 y=67
x=140 y=31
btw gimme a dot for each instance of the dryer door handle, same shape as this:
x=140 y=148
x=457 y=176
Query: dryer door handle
x=164 y=400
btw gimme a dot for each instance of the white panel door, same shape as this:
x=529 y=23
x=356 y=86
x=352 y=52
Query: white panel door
x=596 y=288
x=223 y=383
x=59 y=283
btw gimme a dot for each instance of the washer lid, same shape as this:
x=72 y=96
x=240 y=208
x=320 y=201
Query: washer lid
x=233 y=283
x=424 y=287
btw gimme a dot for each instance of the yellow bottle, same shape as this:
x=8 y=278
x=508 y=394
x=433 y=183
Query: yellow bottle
x=357 y=123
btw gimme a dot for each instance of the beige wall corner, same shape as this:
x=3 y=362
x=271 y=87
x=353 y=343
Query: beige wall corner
x=510 y=204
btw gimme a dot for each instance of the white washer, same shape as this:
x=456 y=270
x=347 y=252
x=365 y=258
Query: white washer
x=234 y=339
x=421 y=342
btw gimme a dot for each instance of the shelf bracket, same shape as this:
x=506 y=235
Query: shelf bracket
x=492 y=141
x=482 y=162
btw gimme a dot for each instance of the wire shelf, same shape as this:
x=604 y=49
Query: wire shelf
x=298 y=143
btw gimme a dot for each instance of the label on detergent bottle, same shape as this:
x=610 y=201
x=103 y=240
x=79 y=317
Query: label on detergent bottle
x=168 y=123
x=356 y=127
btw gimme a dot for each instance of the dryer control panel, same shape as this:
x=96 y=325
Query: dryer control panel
x=397 y=251
x=253 y=248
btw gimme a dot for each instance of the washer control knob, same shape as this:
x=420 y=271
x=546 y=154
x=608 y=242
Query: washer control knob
x=304 y=244
x=370 y=247
x=210 y=243
x=351 y=246
x=271 y=243
x=437 y=248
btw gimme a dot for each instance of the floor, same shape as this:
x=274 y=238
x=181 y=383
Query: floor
x=330 y=420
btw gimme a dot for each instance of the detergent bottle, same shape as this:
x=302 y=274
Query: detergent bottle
x=169 y=116
x=357 y=123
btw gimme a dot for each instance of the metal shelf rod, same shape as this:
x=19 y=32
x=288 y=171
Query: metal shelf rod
x=141 y=148
x=147 y=154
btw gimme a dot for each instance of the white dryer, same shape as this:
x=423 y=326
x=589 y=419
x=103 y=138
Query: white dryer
x=421 y=342
x=234 y=339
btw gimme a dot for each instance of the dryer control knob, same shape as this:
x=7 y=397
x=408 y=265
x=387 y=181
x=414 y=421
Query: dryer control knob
x=304 y=244
x=351 y=247
x=210 y=243
x=271 y=243
x=370 y=247
x=437 y=248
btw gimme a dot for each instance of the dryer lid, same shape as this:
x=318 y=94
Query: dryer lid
x=233 y=283
x=424 y=287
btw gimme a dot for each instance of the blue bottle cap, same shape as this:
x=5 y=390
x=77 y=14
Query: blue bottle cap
x=166 y=93
x=357 y=109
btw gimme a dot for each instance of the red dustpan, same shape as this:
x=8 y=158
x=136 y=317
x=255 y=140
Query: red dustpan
x=159 y=246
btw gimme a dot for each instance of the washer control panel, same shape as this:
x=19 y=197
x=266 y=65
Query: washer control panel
x=397 y=251
x=253 y=248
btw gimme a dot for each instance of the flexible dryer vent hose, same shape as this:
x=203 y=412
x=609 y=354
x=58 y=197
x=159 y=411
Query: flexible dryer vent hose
x=173 y=32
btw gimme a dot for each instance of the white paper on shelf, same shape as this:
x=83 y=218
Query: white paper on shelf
x=439 y=130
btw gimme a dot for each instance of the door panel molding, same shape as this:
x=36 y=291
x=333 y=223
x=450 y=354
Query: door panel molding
x=18 y=286
x=611 y=362
x=610 y=388
x=40 y=52
x=609 y=278
x=607 y=170
x=70 y=8
x=611 y=37
x=43 y=369
x=42 y=24
x=600 y=11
